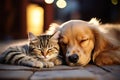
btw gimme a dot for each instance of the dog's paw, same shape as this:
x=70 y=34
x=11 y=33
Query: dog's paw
x=104 y=60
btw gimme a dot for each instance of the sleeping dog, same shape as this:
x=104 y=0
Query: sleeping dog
x=82 y=42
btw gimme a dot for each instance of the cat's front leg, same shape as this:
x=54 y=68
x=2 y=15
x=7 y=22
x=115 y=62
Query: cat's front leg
x=35 y=64
x=31 y=62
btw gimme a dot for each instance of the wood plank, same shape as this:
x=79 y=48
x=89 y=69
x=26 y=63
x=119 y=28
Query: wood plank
x=18 y=67
x=15 y=75
x=114 y=70
x=79 y=74
x=102 y=73
x=94 y=69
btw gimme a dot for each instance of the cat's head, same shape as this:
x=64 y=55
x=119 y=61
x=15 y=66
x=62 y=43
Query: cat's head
x=44 y=46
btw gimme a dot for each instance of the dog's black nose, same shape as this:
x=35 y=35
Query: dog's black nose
x=73 y=58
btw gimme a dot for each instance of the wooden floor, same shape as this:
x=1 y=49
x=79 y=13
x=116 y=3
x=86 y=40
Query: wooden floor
x=89 y=72
x=63 y=72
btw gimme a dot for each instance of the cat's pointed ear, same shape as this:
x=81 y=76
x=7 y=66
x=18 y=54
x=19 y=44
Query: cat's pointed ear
x=32 y=37
x=56 y=35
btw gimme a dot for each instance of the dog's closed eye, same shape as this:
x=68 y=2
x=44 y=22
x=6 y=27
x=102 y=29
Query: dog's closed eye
x=84 y=42
x=83 y=38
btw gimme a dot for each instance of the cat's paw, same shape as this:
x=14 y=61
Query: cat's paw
x=48 y=64
x=58 y=62
x=38 y=64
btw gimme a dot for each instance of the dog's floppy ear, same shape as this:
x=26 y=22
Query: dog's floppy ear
x=100 y=43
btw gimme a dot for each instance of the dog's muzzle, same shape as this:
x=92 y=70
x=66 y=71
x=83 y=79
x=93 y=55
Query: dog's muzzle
x=73 y=58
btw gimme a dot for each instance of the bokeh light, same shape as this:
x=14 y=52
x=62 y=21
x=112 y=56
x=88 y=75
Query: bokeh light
x=49 y=1
x=61 y=3
x=114 y=2
x=35 y=19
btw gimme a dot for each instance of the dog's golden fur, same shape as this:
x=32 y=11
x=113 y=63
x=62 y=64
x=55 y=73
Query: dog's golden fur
x=99 y=43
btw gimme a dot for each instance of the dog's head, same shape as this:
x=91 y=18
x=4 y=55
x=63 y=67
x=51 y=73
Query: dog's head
x=77 y=42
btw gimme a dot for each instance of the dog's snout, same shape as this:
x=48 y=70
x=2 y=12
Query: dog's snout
x=73 y=58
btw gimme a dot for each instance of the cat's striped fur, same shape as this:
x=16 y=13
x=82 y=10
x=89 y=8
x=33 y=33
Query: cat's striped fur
x=42 y=51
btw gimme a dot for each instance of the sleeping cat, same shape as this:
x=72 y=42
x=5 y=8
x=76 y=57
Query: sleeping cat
x=42 y=51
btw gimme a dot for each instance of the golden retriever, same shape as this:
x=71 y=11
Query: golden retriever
x=82 y=42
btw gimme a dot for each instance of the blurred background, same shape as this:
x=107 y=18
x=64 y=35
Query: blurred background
x=18 y=17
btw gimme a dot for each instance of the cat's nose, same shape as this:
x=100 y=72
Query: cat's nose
x=73 y=58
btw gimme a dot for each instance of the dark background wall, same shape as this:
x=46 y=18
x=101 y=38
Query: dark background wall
x=13 y=14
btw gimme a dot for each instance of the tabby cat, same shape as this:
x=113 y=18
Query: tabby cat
x=41 y=51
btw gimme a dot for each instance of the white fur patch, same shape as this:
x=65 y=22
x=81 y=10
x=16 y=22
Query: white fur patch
x=94 y=21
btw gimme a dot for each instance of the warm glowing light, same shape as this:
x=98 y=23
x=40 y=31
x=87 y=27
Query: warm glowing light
x=114 y=2
x=49 y=1
x=61 y=3
x=35 y=19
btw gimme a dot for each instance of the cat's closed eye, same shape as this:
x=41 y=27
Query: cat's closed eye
x=49 y=50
